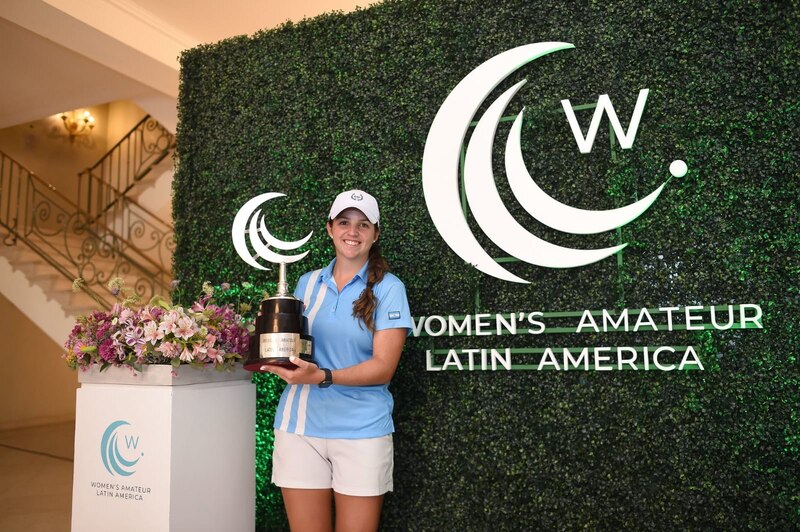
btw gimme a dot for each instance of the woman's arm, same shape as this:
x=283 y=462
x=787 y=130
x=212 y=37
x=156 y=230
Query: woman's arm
x=387 y=344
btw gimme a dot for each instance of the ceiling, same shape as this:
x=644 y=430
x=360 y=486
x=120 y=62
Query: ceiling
x=64 y=54
x=217 y=20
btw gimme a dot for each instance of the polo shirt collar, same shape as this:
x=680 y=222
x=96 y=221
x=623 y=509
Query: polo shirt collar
x=327 y=273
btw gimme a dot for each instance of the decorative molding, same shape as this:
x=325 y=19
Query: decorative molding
x=146 y=17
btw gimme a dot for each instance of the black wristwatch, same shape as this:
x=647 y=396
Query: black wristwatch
x=328 y=380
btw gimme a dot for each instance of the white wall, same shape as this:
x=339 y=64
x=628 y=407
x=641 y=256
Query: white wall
x=122 y=116
x=36 y=387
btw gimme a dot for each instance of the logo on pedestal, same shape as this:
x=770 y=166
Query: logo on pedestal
x=116 y=461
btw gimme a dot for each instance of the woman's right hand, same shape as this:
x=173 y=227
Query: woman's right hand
x=304 y=373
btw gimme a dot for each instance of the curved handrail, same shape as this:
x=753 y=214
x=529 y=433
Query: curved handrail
x=131 y=158
x=103 y=190
x=97 y=222
x=133 y=201
x=122 y=141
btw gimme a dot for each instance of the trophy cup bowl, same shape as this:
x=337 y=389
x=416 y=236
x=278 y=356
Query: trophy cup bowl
x=281 y=331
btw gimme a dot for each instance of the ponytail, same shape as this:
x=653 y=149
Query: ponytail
x=364 y=306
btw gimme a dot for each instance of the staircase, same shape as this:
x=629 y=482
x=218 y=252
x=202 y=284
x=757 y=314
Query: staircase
x=48 y=240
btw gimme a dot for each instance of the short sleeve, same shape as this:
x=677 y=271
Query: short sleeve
x=392 y=311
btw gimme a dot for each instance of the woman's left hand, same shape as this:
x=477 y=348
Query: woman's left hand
x=305 y=373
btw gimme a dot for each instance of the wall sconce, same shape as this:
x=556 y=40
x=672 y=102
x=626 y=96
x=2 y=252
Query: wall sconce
x=77 y=124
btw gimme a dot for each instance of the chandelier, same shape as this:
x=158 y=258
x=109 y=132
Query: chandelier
x=77 y=124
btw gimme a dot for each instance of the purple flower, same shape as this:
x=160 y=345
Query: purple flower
x=102 y=331
x=133 y=336
x=107 y=351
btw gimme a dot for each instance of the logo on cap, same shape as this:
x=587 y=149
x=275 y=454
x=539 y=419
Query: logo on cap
x=356 y=196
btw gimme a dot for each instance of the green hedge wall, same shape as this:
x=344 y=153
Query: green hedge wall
x=342 y=101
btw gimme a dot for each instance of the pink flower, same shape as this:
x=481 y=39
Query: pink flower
x=78 y=347
x=214 y=355
x=139 y=349
x=125 y=314
x=185 y=328
x=168 y=322
x=168 y=349
x=152 y=333
x=199 y=306
x=186 y=354
x=207 y=334
x=210 y=340
x=199 y=352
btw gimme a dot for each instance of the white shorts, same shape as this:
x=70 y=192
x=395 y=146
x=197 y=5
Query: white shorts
x=361 y=467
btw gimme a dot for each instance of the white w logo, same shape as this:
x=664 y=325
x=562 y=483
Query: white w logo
x=440 y=178
x=604 y=104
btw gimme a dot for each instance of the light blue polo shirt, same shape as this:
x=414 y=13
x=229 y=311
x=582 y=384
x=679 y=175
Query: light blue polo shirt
x=341 y=341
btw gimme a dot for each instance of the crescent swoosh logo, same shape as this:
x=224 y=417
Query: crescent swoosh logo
x=249 y=226
x=440 y=179
x=113 y=460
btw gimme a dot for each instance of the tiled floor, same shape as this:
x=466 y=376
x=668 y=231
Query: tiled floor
x=36 y=478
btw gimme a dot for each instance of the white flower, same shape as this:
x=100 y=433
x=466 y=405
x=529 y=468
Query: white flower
x=208 y=289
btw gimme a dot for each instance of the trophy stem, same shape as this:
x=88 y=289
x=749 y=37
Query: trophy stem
x=283 y=286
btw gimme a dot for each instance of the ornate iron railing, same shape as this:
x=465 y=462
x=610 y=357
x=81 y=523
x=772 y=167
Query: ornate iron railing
x=70 y=239
x=103 y=190
x=138 y=226
x=124 y=165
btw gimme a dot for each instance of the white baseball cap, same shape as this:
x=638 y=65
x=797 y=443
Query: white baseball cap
x=356 y=199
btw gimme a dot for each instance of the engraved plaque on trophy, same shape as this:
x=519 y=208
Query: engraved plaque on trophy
x=281 y=331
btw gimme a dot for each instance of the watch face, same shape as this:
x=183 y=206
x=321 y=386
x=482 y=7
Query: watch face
x=328 y=380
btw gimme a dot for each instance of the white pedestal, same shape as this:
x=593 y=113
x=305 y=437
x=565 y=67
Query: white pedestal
x=157 y=452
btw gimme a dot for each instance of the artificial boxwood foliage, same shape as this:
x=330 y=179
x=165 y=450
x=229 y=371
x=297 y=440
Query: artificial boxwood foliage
x=342 y=101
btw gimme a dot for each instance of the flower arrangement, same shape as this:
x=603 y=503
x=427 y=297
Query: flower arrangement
x=205 y=334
